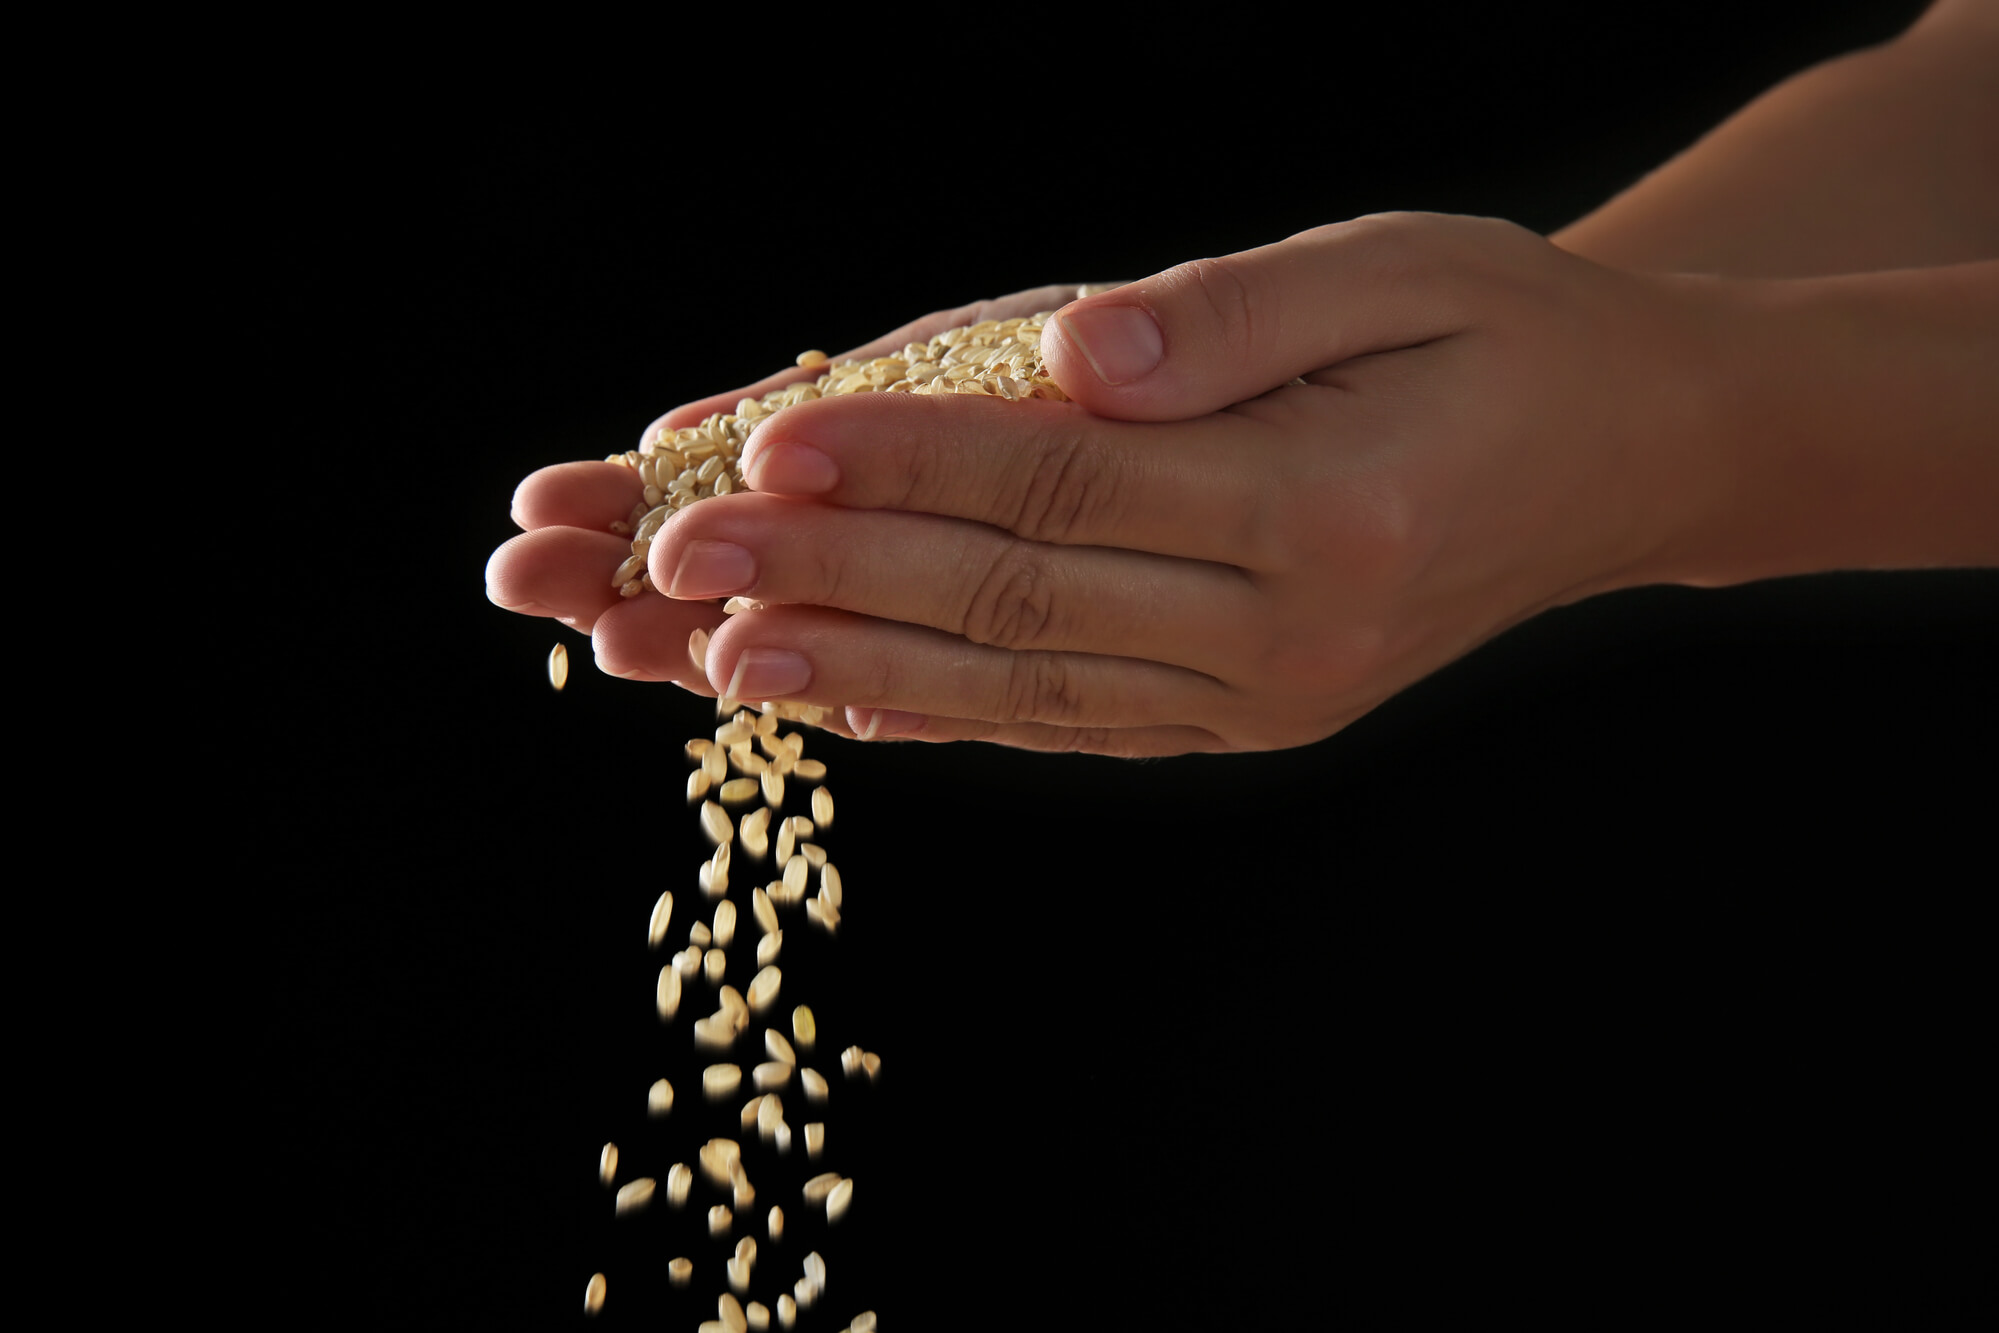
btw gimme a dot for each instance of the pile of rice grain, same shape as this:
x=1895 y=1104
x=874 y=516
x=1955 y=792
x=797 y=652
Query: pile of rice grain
x=999 y=358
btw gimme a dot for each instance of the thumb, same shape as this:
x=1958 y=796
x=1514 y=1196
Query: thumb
x=1215 y=332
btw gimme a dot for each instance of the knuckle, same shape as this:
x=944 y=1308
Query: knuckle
x=1070 y=486
x=1224 y=288
x=1041 y=687
x=1012 y=605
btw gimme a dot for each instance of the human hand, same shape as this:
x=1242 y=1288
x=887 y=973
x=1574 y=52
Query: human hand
x=1200 y=555
x=565 y=507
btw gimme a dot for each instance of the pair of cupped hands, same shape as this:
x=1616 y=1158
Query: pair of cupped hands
x=1198 y=552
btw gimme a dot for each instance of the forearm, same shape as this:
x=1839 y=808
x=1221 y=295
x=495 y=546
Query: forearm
x=1854 y=425
x=1886 y=158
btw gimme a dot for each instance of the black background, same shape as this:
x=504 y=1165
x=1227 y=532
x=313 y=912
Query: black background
x=1626 y=965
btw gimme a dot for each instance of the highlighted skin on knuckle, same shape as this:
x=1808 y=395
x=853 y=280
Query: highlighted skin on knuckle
x=1223 y=289
x=1041 y=687
x=1071 y=487
x=1012 y=604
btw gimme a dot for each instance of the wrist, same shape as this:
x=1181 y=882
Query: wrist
x=1847 y=423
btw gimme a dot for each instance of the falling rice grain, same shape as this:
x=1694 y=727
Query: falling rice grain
x=864 y=1322
x=558 y=666
x=812 y=770
x=739 y=1182
x=771 y=1074
x=750 y=1111
x=822 y=914
x=607 y=1163
x=731 y=1312
x=667 y=996
x=725 y=923
x=815 y=1272
x=739 y=791
x=718 y=1081
x=768 y=946
x=698 y=783
x=593 y=1295
x=715 y=1032
x=754 y=831
x=814 y=854
x=850 y=1060
x=770 y=1114
x=763 y=988
x=839 y=1200
x=635 y=1195
x=802 y=1290
x=715 y=823
x=662 y=914
x=815 y=1139
x=717 y=1157
x=829 y=885
x=822 y=807
x=758 y=1314
x=815 y=1084
x=778 y=1048
x=679 y=1271
x=690 y=960
x=737 y=1008
x=787 y=1311
x=804 y=1027
x=817 y=1188
x=787 y=841
x=659 y=1098
x=719 y=1218
x=715 y=763
x=775 y=1223
x=679 y=1180
x=873 y=1064
x=795 y=872
x=698 y=935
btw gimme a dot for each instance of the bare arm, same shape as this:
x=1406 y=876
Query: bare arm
x=1886 y=158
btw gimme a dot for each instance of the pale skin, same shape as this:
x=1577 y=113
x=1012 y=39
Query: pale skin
x=1774 y=355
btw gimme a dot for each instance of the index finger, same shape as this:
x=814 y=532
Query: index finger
x=1030 y=302
x=1045 y=471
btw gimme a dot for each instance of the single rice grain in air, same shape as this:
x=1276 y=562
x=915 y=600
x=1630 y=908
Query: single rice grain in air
x=593 y=1294
x=558 y=666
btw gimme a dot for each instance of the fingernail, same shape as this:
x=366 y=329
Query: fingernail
x=783 y=468
x=869 y=724
x=1121 y=342
x=767 y=673
x=713 y=569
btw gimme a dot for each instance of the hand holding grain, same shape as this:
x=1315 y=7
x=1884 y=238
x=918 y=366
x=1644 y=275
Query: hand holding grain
x=1195 y=553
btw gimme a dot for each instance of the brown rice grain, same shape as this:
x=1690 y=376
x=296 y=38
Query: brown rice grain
x=739 y=1182
x=607 y=1163
x=662 y=915
x=795 y=871
x=715 y=823
x=850 y=1060
x=715 y=764
x=778 y=1048
x=814 y=854
x=667 y=995
x=739 y=791
x=558 y=665
x=804 y=1027
x=774 y=1223
x=787 y=1311
x=679 y=1180
x=829 y=885
x=765 y=914
x=751 y=1109
x=815 y=1085
x=815 y=1139
x=731 y=1313
x=872 y=1063
x=817 y=1188
x=815 y=1272
x=753 y=831
x=822 y=807
x=787 y=842
x=698 y=935
x=718 y=1081
x=759 y=1316
x=714 y=965
x=763 y=988
x=725 y=923
x=812 y=770
x=635 y=1195
x=593 y=1294
x=839 y=1200
x=659 y=1098
x=773 y=788
x=698 y=783
x=716 y=1157
x=719 y=1218
x=679 y=1271
x=771 y=1074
